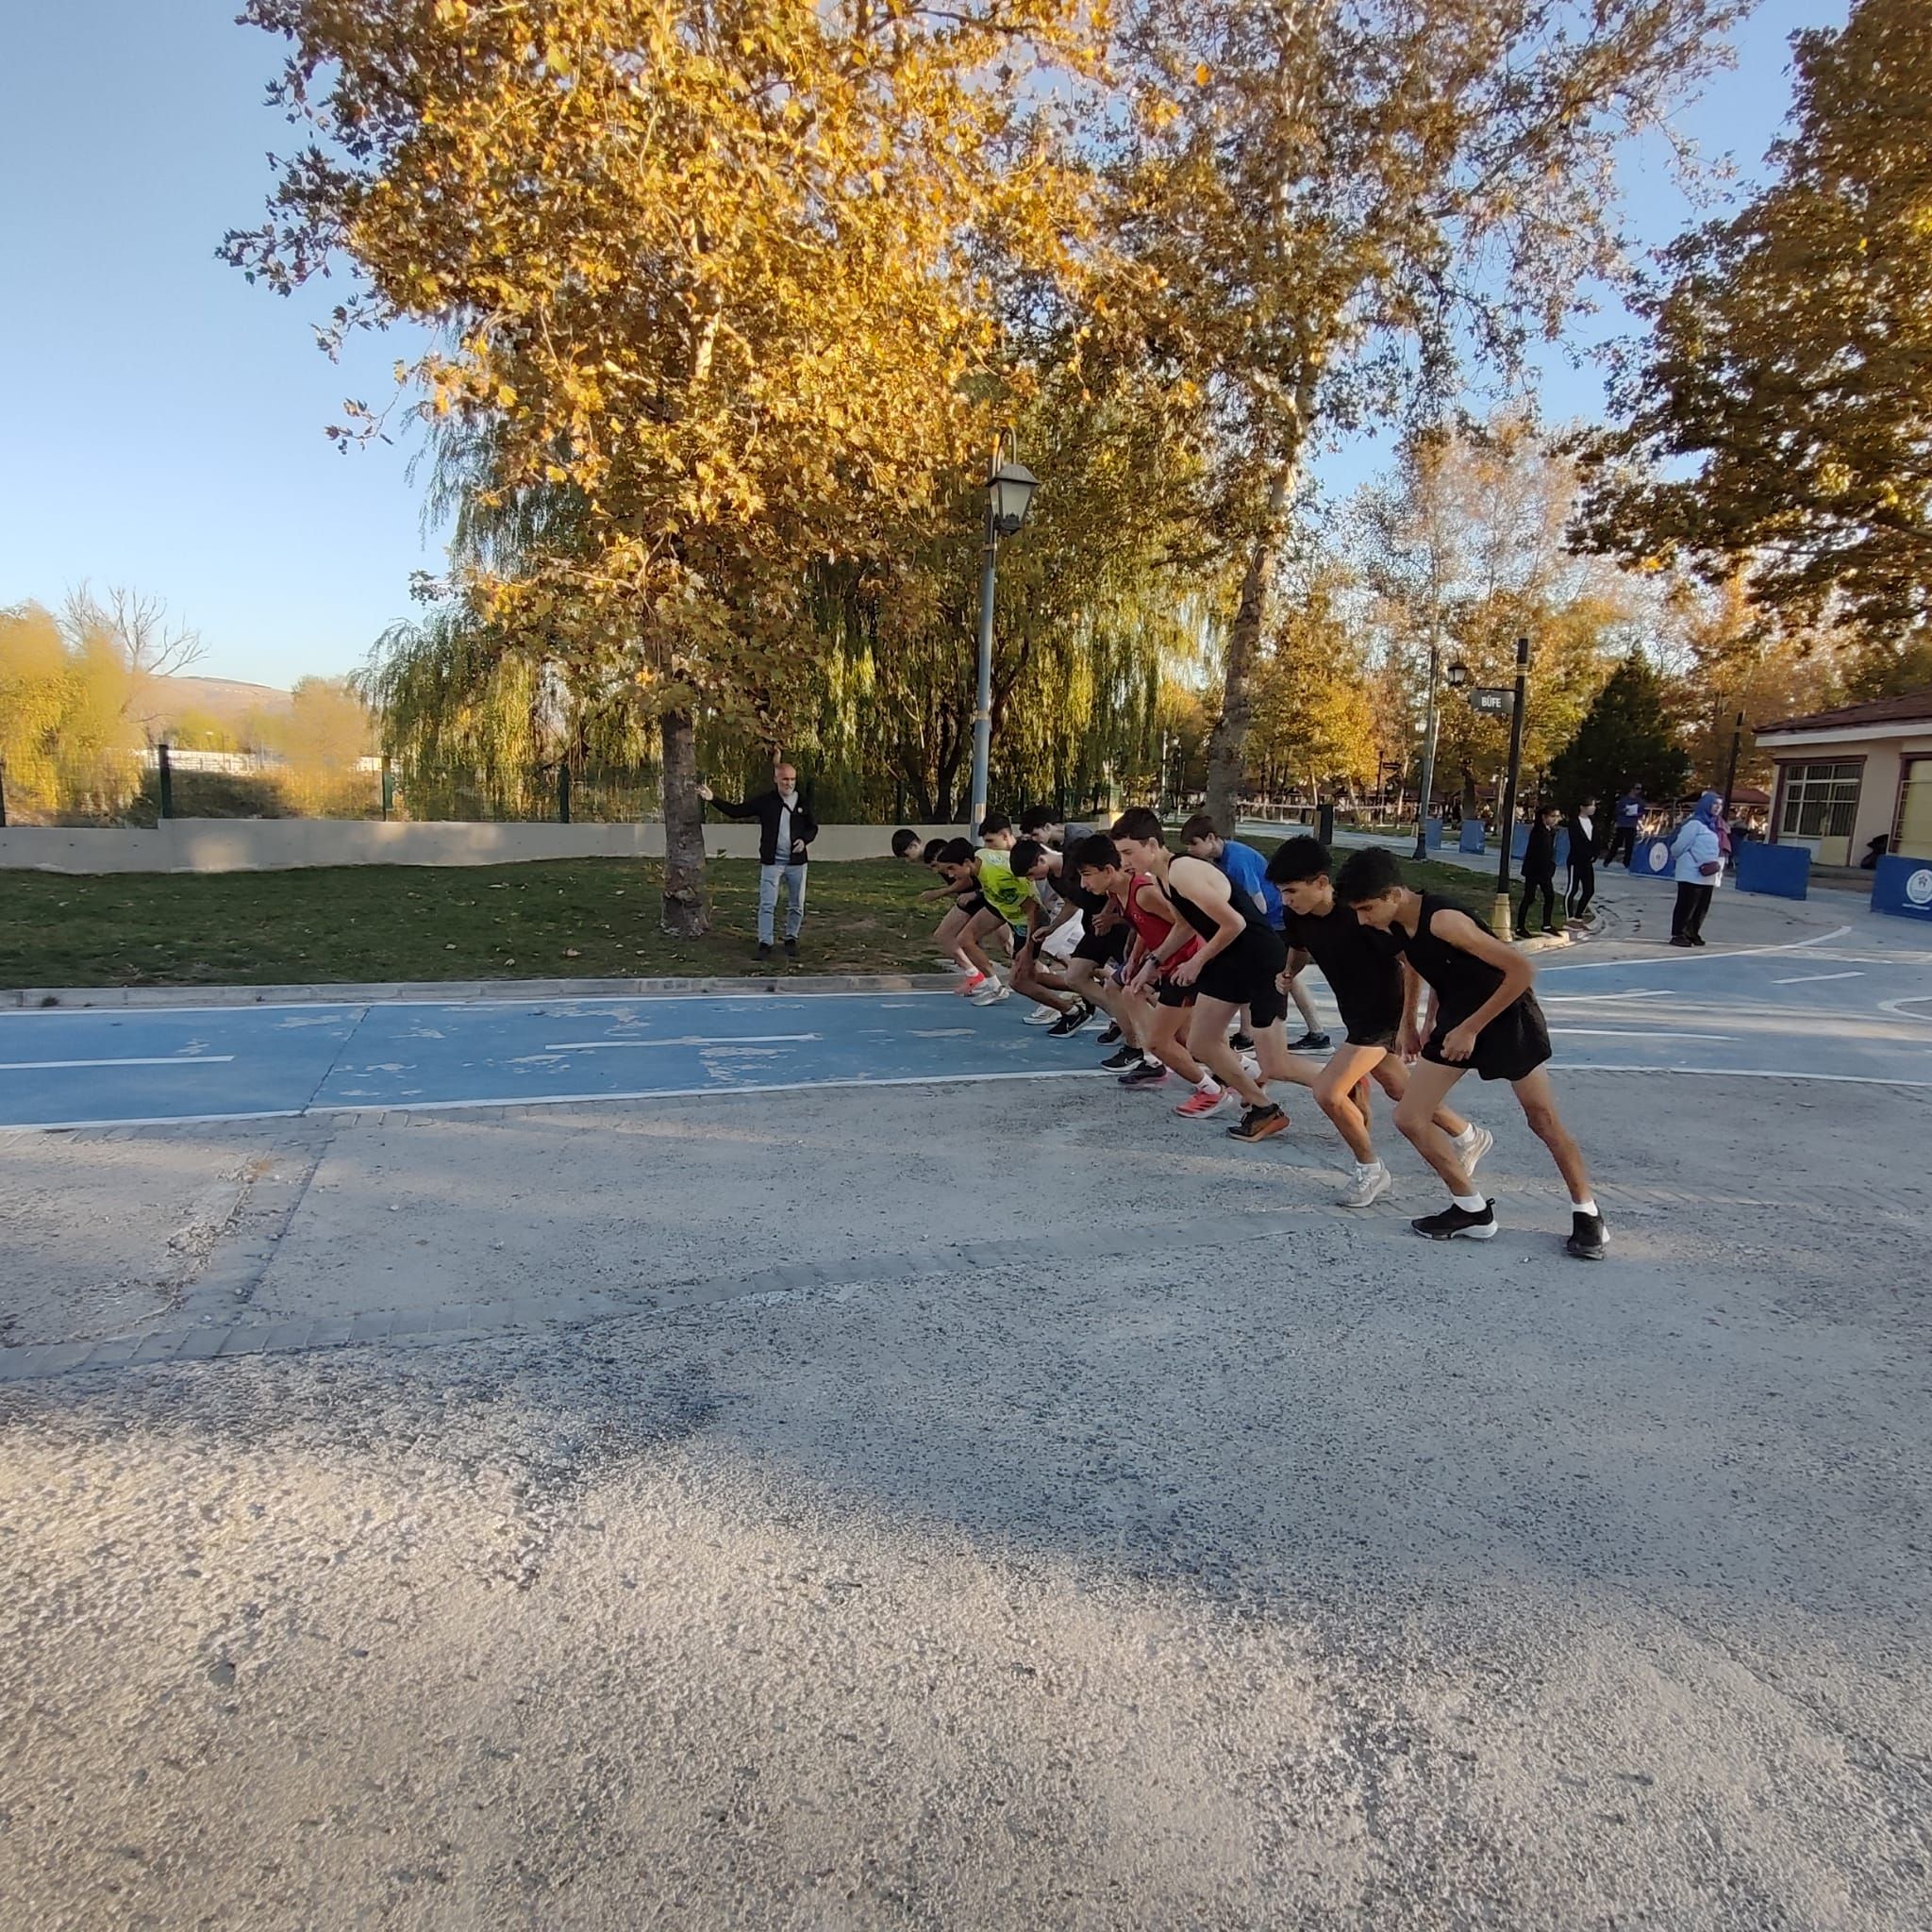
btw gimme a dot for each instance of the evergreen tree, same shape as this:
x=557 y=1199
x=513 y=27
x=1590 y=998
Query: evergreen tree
x=1626 y=738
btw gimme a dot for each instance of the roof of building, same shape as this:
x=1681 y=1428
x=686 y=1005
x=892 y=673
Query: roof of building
x=1908 y=709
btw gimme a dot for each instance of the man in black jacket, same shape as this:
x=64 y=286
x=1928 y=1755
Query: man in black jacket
x=786 y=827
x=1539 y=871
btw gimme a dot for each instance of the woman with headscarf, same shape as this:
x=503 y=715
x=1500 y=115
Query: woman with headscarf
x=1698 y=849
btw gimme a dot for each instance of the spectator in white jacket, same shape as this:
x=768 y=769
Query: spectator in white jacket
x=1699 y=850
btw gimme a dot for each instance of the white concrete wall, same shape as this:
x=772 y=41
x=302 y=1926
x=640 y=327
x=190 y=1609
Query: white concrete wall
x=282 y=844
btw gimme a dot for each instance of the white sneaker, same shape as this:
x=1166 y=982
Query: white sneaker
x=1369 y=1186
x=1480 y=1141
x=993 y=992
x=1042 y=1016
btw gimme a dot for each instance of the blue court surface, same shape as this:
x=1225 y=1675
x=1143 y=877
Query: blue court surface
x=1813 y=1011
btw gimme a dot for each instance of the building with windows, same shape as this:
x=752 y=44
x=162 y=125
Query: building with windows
x=1847 y=777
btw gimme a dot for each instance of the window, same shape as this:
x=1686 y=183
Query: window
x=1819 y=801
x=1911 y=831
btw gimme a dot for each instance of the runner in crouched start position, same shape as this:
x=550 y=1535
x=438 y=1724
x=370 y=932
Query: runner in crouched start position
x=1223 y=953
x=1366 y=973
x=1482 y=1015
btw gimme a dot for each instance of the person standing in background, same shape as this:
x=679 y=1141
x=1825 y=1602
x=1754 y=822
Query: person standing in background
x=1699 y=850
x=1629 y=817
x=1539 y=871
x=1582 y=859
x=786 y=828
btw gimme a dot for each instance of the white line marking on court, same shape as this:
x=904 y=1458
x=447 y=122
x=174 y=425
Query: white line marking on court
x=1612 y=1033
x=1680 y=959
x=172 y=1060
x=683 y=1039
x=1750 y=1073
x=1812 y=978
x=1598 y=999
x=1897 y=1007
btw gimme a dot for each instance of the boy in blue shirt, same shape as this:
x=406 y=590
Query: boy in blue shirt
x=1247 y=872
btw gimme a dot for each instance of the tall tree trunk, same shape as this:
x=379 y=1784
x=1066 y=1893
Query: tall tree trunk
x=684 y=915
x=1230 y=733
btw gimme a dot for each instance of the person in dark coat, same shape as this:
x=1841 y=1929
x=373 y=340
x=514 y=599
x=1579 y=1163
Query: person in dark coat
x=786 y=828
x=1582 y=824
x=1539 y=871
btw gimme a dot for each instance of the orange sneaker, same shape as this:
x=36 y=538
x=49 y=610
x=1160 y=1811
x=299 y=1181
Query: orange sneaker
x=1258 y=1123
x=1202 y=1102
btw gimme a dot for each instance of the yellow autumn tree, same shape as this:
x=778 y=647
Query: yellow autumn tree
x=713 y=281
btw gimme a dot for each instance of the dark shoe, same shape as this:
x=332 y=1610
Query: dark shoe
x=1586 y=1239
x=1120 y=1058
x=1453 y=1220
x=1697 y=939
x=1112 y=1036
x=1676 y=941
x=1070 y=1024
x=791 y=949
x=764 y=950
x=1258 y=1123
x=1148 y=1073
x=1241 y=1042
x=1308 y=1043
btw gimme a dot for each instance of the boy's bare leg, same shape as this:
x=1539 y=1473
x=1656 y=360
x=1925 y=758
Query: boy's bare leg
x=1167 y=1040
x=1539 y=1102
x=979 y=929
x=1341 y=1087
x=1304 y=1005
x=1029 y=979
x=1207 y=1041
x=1392 y=1076
x=1415 y=1118
x=1089 y=981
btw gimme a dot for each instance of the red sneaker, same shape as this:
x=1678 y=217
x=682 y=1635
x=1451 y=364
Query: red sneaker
x=1203 y=1102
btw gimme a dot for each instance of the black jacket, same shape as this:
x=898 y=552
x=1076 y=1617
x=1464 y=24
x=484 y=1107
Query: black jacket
x=1582 y=853
x=1539 y=852
x=767 y=808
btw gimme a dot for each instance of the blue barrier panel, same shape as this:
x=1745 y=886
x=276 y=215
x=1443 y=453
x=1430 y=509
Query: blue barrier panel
x=1472 y=840
x=1652 y=860
x=1519 y=842
x=1903 y=886
x=1432 y=835
x=1783 y=871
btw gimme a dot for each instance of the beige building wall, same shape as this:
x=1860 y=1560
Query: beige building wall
x=1884 y=760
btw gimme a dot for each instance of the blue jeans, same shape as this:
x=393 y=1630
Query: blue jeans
x=769 y=876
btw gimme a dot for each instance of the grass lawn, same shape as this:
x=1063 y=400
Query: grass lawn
x=554 y=919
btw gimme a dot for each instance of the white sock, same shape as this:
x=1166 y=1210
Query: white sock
x=1466 y=1138
x=1582 y=1208
x=1363 y=1168
x=1470 y=1204
x=1207 y=1084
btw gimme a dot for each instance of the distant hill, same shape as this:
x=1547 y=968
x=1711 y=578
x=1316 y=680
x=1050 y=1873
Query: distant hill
x=227 y=698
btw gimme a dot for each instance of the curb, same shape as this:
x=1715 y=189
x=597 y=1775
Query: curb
x=459 y=991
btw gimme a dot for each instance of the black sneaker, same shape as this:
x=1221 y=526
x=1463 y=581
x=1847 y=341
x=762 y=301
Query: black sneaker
x=1112 y=1036
x=1308 y=1043
x=1241 y=1042
x=1453 y=1220
x=1678 y=941
x=1697 y=939
x=1120 y=1058
x=1258 y=1123
x=1148 y=1073
x=1070 y=1024
x=1586 y=1241
x=764 y=950
x=791 y=949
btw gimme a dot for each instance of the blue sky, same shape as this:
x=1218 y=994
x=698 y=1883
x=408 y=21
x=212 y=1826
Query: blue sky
x=165 y=426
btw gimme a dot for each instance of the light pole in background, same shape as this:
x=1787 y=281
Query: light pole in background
x=1730 y=769
x=1009 y=487
x=1428 y=770
x=1502 y=919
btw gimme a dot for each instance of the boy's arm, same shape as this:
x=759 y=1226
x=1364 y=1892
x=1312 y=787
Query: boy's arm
x=1410 y=1034
x=1459 y=929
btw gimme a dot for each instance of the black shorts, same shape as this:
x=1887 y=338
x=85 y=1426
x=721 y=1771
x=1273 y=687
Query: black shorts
x=971 y=904
x=1370 y=1033
x=1245 y=975
x=1099 y=948
x=1169 y=994
x=1511 y=1048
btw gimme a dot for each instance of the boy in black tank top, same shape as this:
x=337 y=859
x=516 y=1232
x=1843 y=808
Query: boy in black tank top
x=1238 y=963
x=1366 y=973
x=1482 y=1015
